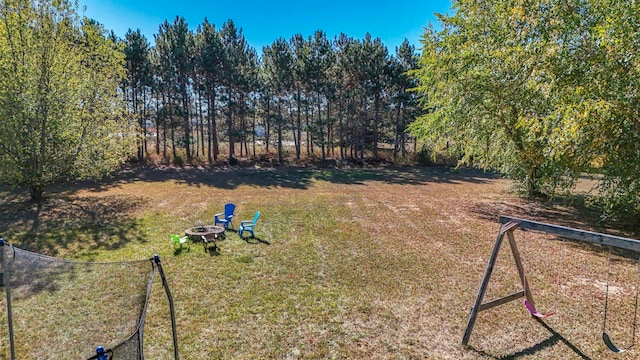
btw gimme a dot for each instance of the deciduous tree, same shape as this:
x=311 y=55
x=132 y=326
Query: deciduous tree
x=485 y=82
x=60 y=114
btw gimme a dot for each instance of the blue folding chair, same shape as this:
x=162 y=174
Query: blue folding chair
x=248 y=225
x=226 y=217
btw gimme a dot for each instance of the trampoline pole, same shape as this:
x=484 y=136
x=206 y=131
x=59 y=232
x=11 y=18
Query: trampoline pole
x=6 y=284
x=171 y=308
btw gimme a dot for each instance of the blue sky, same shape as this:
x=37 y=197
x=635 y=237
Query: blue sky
x=262 y=22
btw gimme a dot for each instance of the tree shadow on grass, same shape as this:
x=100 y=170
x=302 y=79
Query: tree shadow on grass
x=572 y=212
x=284 y=177
x=576 y=215
x=61 y=224
x=552 y=340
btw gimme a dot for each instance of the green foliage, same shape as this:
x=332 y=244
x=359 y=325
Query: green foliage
x=428 y=155
x=538 y=91
x=178 y=160
x=481 y=79
x=405 y=102
x=606 y=89
x=61 y=117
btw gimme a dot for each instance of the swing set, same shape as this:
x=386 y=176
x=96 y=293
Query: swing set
x=507 y=227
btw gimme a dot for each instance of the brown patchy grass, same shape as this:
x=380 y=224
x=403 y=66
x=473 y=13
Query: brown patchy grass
x=347 y=264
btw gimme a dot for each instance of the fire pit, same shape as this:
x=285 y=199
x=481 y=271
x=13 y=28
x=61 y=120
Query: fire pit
x=207 y=234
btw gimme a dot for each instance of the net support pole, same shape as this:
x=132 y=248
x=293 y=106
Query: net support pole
x=5 y=265
x=165 y=285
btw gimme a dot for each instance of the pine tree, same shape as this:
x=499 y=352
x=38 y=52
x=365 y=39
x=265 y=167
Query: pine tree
x=210 y=66
x=138 y=81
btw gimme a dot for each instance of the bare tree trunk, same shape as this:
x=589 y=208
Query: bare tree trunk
x=164 y=140
x=201 y=122
x=404 y=135
x=158 y=123
x=341 y=139
x=37 y=193
x=230 y=124
x=308 y=132
x=145 y=149
x=253 y=133
x=214 y=127
x=187 y=124
x=298 y=127
x=321 y=127
x=173 y=143
x=396 y=135
x=330 y=147
x=280 y=156
x=267 y=125
x=296 y=138
x=376 y=124
x=243 y=128
x=363 y=122
x=209 y=129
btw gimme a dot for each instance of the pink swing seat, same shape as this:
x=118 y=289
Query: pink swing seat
x=534 y=312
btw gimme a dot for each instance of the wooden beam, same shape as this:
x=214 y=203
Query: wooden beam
x=581 y=235
x=519 y=266
x=504 y=300
x=509 y=226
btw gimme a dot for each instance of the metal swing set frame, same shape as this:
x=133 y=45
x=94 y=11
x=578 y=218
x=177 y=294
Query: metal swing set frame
x=507 y=227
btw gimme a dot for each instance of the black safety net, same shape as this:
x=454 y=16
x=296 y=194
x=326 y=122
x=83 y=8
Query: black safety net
x=62 y=309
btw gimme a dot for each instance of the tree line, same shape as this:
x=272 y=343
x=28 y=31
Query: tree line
x=76 y=101
x=544 y=91
x=208 y=89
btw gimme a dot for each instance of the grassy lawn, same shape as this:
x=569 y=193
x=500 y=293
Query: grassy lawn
x=347 y=264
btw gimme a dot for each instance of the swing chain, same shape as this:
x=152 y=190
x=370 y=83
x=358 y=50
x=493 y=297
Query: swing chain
x=605 y=336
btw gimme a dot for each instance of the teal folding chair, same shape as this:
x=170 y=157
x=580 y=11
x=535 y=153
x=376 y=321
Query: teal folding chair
x=248 y=225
